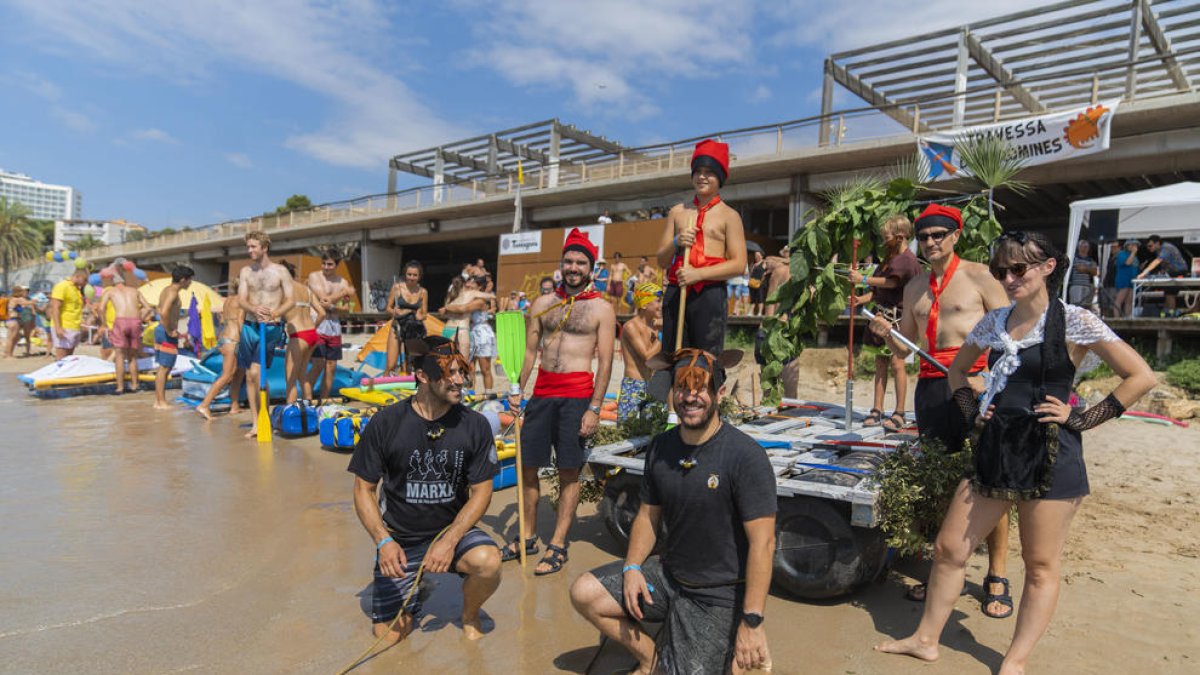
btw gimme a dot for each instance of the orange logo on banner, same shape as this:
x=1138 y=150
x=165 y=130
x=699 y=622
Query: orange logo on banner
x=1083 y=131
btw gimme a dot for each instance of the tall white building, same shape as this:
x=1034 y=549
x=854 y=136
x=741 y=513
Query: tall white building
x=45 y=201
x=107 y=232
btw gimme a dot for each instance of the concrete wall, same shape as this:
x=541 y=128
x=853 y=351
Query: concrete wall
x=381 y=266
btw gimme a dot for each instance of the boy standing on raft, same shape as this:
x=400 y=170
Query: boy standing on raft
x=711 y=235
x=265 y=294
x=947 y=302
x=126 y=331
x=436 y=459
x=713 y=490
x=639 y=341
x=166 y=334
x=567 y=327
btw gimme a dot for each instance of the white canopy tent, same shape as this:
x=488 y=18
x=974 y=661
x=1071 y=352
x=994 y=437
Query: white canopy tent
x=1168 y=211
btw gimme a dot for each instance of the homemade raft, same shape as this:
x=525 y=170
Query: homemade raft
x=828 y=540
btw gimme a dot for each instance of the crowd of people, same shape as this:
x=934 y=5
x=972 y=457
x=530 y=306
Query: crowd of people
x=1112 y=291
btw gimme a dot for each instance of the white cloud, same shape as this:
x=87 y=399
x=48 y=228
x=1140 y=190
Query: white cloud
x=761 y=94
x=72 y=117
x=327 y=48
x=861 y=23
x=240 y=160
x=154 y=136
x=611 y=55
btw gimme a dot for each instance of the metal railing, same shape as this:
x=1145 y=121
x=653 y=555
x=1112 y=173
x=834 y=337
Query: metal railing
x=851 y=125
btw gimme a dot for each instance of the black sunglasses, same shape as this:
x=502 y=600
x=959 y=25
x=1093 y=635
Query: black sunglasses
x=937 y=236
x=1018 y=270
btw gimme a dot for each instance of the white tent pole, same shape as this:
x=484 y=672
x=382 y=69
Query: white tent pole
x=1077 y=213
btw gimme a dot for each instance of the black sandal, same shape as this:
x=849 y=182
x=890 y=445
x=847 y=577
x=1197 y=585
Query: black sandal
x=555 y=557
x=872 y=419
x=1004 y=598
x=511 y=552
x=895 y=426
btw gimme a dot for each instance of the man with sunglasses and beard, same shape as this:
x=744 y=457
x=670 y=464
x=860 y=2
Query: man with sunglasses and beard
x=713 y=490
x=436 y=460
x=942 y=306
x=567 y=327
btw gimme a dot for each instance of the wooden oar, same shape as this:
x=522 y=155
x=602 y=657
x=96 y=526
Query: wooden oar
x=687 y=250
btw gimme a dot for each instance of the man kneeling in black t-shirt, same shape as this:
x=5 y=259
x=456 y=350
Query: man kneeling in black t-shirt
x=713 y=489
x=437 y=460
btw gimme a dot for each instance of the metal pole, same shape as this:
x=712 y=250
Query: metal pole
x=850 y=344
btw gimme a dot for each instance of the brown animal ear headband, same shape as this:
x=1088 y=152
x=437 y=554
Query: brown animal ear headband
x=435 y=356
x=696 y=369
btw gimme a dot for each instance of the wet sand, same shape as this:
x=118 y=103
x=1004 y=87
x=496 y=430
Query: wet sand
x=146 y=542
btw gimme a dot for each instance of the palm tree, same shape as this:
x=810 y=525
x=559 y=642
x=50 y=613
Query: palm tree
x=86 y=242
x=19 y=238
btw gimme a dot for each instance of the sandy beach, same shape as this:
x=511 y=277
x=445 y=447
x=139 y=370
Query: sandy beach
x=144 y=542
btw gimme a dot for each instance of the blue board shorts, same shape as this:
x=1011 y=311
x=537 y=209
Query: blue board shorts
x=248 y=345
x=388 y=593
x=166 y=348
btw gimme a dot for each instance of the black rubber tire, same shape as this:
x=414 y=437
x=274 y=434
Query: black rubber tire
x=818 y=554
x=620 y=505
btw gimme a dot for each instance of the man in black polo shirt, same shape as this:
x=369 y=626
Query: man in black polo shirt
x=712 y=488
x=436 y=459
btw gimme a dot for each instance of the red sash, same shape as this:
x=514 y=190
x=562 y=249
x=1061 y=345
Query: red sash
x=563 y=385
x=588 y=294
x=946 y=357
x=696 y=257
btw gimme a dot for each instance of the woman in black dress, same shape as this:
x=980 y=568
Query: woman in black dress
x=1029 y=450
x=408 y=304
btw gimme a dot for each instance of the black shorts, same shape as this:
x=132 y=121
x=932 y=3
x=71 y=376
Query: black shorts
x=758 y=295
x=704 y=323
x=937 y=415
x=553 y=422
x=698 y=636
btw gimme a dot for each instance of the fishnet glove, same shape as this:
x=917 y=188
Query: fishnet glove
x=1096 y=415
x=968 y=405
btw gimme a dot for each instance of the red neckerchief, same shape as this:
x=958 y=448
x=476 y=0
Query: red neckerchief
x=589 y=294
x=696 y=257
x=936 y=291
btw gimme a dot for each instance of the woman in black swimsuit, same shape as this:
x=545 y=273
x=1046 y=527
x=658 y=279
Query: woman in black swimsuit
x=408 y=304
x=1029 y=450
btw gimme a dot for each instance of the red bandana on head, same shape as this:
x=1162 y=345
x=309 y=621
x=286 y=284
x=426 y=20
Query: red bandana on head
x=939 y=216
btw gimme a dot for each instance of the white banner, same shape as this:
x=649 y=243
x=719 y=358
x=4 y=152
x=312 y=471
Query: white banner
x=520 y=242
x=1037 y=140
x=595 y=233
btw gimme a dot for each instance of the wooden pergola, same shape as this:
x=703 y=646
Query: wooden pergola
x=1056 y=56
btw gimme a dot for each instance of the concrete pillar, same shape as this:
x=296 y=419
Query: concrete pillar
x=391 y=187
x=380 y=269
x=826 y=103
x=493 y=165
x=555 y=143
x=439 y=176
x=960 y=80
x=209 y=272
x=799 y=202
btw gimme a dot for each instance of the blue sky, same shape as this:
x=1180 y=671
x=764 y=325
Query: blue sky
x=174 y=113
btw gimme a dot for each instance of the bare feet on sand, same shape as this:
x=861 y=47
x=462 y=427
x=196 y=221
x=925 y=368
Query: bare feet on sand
x=252 y=433
x=204 y=412
x=1007 y=668
x=234 y=410
x=472 y=628
x=162 y=406
x=912 y=646
x=394 y=633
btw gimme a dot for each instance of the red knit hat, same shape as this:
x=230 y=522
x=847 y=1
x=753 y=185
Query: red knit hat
x=715 y=156
x=577 y=240
x=936 y=215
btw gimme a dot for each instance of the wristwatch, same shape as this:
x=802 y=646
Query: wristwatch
x=751 y=619
x=594 y=408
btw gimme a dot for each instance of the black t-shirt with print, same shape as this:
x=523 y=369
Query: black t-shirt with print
x=704 y=508
x=426 y=476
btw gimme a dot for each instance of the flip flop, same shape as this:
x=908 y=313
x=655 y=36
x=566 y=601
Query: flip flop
x=1004 y=598
x=511 y=552
x=555 y=557
x=891 y=425
x=872 y=419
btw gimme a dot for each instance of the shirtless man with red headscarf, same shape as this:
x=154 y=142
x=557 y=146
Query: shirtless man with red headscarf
x=567 y=327
x=711 y=232
x=942 y=306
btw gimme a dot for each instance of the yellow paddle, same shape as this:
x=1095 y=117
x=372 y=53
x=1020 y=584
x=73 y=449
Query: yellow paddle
x=264 y=417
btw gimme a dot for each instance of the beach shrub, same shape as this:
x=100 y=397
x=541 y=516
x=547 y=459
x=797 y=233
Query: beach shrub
x=1186 y=376
x=915 y=483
